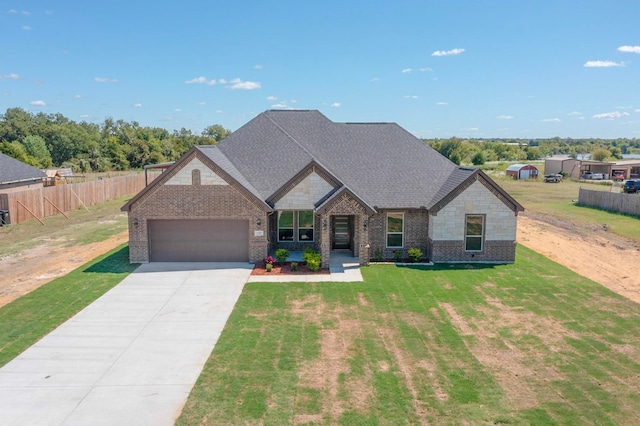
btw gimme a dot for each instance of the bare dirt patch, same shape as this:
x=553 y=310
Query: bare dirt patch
x=591 y=251
x=24 y=272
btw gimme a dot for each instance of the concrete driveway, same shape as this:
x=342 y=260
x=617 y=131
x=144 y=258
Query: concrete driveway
x=132 y=356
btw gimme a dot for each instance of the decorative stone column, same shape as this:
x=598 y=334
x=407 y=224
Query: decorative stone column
x=325 y=239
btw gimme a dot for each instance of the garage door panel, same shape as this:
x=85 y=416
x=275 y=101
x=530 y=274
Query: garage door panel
x=196 y=240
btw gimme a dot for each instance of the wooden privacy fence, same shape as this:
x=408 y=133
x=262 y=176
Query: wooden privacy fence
x=610 y=201
x=39 y=203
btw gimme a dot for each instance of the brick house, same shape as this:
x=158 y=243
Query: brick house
x=295 y=179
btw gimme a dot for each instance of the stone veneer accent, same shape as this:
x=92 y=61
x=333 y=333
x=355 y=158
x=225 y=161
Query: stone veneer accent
x=207 y=176
x=447 y=228
x=305 y=194
x=212 y=201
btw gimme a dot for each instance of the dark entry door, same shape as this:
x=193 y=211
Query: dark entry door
x=341 y=232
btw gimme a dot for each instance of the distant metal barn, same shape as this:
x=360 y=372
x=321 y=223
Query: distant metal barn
x=522 y=171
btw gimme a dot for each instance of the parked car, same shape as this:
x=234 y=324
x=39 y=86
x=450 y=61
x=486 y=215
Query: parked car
x=592 y=175
x=553 y=178
x=618 y=176
x=631 y=187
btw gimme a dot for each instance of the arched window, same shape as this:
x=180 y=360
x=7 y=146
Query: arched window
x=195 y=177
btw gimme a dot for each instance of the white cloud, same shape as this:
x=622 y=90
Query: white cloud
x=201 y=103
x=552 y=120
x=38 y=103
x=406 y=70
x=138 y=105
x=222 y=81
x=336 y=105
x=603 y=64
x=236 y=83
x=375 y=79
x=410 y=97
x=201 y=80
x=85 y=116
x=177 y=110
x=504 y=117
x=636 y=110
x=442 y=103
x=106 y=80
x=575 y=114
x=612 y=115
x=272 y=98
x=26 y=28
x=629 y=49
x=280 y=105
x=447 y=52
x=15 y=12
x=426 y=69
x=473 y=129
x=12 y=76
x=257 y=67
x=77 y=96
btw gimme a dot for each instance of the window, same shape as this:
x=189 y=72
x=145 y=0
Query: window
x=285 y=226
x=305 y=225
x=395 y=230
x=474 y=232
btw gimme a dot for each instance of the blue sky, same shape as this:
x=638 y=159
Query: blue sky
x=521 y=69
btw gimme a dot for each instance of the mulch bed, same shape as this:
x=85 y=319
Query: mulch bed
x=286 y=270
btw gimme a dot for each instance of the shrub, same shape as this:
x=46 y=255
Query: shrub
x=313 y=264
x=397 y=255
x=269 y=267
x=294 y=266
x=281 y=255
x=415 y=254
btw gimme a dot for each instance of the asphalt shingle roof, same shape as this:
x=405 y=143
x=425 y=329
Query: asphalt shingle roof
x=384 y=164
x=12 y=170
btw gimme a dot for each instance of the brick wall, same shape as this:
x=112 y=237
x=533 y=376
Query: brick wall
x=416 y=230
x=453 y=251
x=184 y=201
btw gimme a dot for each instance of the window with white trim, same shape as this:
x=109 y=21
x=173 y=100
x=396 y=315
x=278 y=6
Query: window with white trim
x=285 y=225
x=474 y=232
x=395 y=230
x=305 y=225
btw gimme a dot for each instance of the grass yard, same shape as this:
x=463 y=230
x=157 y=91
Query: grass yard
x=529 y=343
x=557 y=200
x=26 y=320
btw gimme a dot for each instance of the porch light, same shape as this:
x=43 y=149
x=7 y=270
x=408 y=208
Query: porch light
x=365 y=222
x=135 y=222
x=324 y=223
x=259 y=221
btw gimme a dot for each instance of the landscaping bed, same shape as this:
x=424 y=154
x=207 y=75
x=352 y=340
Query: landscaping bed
x=285 y=269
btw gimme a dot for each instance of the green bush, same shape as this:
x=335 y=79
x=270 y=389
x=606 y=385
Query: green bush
x=415 y=254
x=378 y=255
x=313 y=264
x=397 y=255
x=294 y=266
x=282 y=255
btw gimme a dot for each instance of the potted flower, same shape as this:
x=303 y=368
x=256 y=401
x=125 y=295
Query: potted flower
x=268 y=263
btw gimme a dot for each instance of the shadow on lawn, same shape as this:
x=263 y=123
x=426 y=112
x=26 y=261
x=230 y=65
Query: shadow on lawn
x=451 y=266
x=116 y=262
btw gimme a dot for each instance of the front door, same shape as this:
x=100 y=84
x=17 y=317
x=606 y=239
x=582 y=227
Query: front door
x=341 y=232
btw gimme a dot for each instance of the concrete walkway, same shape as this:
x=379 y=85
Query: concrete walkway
x=131 y=357
x=343 y=267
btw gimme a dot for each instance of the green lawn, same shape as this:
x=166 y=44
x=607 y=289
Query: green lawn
x=557 y=200
x=529 y=343
x=26 y=320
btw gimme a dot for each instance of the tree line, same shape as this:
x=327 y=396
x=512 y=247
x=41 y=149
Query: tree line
x=52 y=140
x=479 y=151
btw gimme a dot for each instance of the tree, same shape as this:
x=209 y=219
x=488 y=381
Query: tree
x=36 y=148
x=600 y=154
x=216 y=132
x=478 y=159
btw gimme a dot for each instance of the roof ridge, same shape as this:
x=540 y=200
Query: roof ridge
x=289 y=135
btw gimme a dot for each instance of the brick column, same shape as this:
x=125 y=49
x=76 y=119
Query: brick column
x=363 y=232
x=325 y=239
